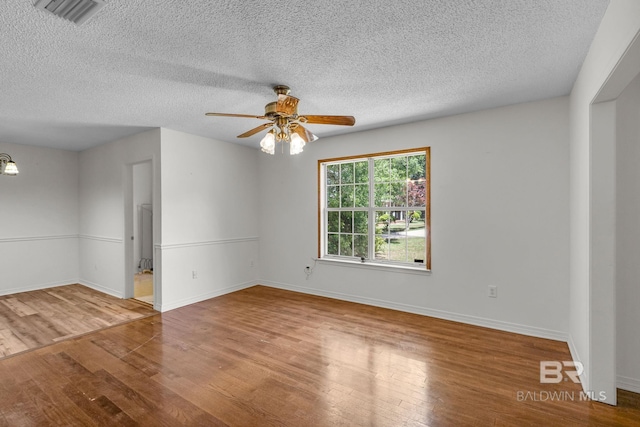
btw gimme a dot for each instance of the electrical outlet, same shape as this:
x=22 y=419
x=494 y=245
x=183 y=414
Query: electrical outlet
x=194 y=274
x=493 y=292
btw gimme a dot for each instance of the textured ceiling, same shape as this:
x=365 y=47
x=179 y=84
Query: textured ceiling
x=160 y=63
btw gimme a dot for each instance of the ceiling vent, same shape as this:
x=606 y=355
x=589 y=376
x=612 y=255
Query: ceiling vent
x=76 y=11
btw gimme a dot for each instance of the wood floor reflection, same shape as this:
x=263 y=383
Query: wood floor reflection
x=263 y=357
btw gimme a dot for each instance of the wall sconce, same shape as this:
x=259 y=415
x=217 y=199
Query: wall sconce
x=7 y=166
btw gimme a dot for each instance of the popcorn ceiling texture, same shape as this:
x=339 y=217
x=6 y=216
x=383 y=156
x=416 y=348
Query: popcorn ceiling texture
x=160 y=63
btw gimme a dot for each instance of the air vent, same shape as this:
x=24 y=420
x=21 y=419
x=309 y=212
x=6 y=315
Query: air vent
x=76 y=11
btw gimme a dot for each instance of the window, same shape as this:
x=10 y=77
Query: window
x=375 y=208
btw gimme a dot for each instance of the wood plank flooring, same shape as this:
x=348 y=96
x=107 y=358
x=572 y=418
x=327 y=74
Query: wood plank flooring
x=143 y=287
x=267 y=357
x=33 y=319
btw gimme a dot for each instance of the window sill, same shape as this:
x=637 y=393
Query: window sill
x=376 y=266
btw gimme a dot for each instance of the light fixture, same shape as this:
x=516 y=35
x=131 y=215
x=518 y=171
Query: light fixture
x=285 y=131
x=7 y=166
x=285 y=124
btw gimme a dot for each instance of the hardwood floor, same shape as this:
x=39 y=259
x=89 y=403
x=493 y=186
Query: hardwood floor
x=266 y=357
x=143 y=287
x=33 y=319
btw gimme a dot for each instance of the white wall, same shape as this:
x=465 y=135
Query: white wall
x=38 y=219
x=210 y=218
x=499 y=217
x=592 y=317
x=628 y=237
x=105 y=188
x=73 y=220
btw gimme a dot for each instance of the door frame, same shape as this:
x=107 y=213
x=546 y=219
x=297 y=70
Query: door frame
x=129 y=218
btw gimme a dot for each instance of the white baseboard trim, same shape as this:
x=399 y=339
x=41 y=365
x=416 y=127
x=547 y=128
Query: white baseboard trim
x=38 y=287
x=440 y=314
x=102 y=289
x=163 y=307
x=575 y=356
x=629 y=384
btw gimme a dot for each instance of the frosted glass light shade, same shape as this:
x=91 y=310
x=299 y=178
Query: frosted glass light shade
x=11 y=168
x=7 y=165
x=268 y=143
x=296 y=144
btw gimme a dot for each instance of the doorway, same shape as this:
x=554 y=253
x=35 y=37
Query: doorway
x=142 y=252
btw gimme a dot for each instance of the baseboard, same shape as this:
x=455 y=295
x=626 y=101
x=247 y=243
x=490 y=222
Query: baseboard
x=38 y=287
x=629 y=384
x=440 y=314
x=163 y=307
x=101 y=288
x=575 y=356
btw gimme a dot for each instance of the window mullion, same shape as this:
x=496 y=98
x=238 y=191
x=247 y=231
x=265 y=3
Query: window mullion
x=371 y=214
x=323 y=245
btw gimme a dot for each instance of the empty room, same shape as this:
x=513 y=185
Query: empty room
x=286 y=213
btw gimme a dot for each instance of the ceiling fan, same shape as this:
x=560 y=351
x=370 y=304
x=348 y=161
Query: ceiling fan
x=286 y=123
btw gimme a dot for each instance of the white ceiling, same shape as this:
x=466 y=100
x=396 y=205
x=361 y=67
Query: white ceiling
x=161 y=63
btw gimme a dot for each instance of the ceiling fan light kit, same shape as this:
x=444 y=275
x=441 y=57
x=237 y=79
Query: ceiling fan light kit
x=285 y=125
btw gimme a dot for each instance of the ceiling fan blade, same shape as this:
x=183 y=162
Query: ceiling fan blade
x=235 y=115
x=329 y=120
x=304 y=133
x=287 y=105
x=255 y=130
